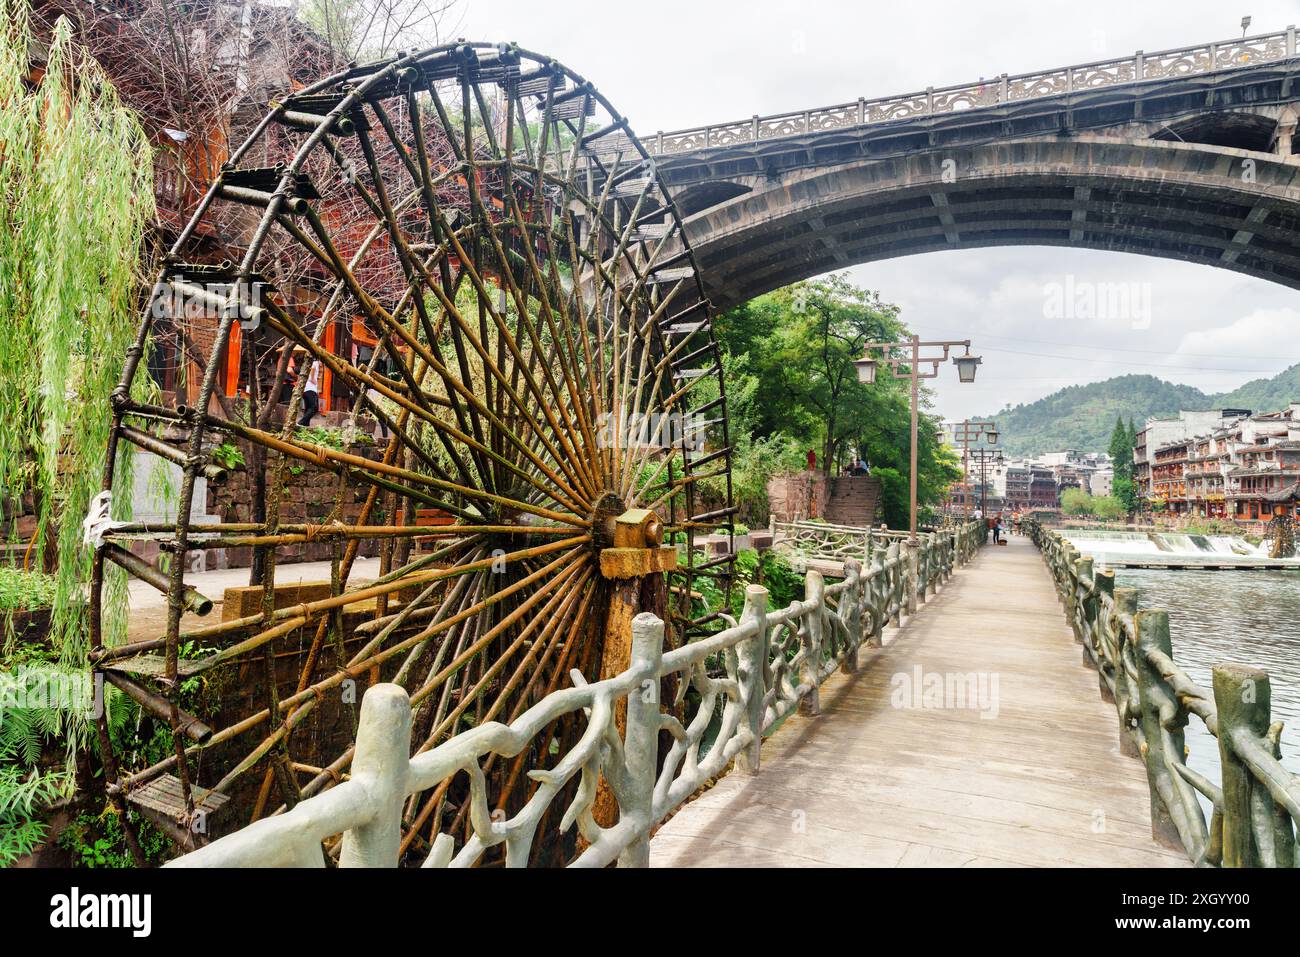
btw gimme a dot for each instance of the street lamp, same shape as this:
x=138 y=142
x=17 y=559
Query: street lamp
x=867 y=367
x=988 y=460
x=966 y=365
x=967 y=433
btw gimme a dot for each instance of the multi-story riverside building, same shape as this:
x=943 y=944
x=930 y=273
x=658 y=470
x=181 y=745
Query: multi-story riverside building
x=1043 y=492
x=1224 y=471
x=1016 y=491
x=1159 y=432
x=1168 y=479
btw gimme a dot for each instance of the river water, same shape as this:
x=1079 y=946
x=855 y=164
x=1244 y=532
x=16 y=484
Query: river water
x=1248 y=617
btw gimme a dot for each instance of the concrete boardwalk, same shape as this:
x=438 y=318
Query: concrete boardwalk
x=1028 y=776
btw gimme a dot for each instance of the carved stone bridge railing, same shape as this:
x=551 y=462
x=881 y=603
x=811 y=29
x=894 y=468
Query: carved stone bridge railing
x=1165 y=64
x=1256 y=802
x=748 y=678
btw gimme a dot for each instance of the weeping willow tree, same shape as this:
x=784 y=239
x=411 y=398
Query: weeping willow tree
x=76 y=195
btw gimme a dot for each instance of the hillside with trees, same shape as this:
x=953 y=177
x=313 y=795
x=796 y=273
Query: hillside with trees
x=1083 y=416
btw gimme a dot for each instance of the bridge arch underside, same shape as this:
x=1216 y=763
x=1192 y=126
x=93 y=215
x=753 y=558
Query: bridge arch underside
x=1230 y=208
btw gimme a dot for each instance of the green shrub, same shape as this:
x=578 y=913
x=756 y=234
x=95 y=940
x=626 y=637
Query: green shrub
x=228 y=456
x=25 y=590
x=322 y=436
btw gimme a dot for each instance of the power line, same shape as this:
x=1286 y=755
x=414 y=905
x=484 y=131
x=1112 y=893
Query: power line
x=1145 y=365
x=1081 y=345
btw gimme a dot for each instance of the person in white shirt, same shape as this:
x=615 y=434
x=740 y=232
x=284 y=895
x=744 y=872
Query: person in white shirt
x=311 y=395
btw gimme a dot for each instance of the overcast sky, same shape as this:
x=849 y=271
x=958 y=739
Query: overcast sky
x=668 y=64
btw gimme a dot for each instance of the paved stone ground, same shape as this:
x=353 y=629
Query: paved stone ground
x=1029 y=776
x=148 y=606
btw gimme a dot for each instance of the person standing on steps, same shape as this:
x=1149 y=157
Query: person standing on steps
x=311 y=395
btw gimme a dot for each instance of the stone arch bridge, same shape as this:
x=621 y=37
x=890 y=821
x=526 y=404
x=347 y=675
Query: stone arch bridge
x=1186 y=154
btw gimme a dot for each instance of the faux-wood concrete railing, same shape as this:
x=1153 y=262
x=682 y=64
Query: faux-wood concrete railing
x=748 y=678
x=1256 y=802
x=924 y=565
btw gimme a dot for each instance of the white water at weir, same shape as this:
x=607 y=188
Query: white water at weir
x=1106 y=546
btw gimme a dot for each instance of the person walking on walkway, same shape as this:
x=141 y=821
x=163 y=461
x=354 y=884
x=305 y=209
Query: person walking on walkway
x=311 y=395
x=997 y=530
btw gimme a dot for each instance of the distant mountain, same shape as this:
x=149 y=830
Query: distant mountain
x=1083 y=416
x=1265 y=395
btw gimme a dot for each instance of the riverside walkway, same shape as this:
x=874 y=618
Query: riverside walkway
x=1025 y=771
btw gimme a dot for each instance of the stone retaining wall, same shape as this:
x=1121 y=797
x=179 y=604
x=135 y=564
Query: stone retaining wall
x=790 y=495
x=310 y=497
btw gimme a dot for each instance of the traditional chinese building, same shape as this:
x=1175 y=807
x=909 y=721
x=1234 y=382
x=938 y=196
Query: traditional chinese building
x=1016 y=491
x=1157 y=433
x=1043 y=491
x=1266 y=460
x=1168 y=478
x=195 y=102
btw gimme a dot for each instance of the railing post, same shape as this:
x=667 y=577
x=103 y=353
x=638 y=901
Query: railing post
x=910 y=573
x=641 y=740
x=1103 y=583
x=1085 y=607
x=921 y=562
x=852 y=606
x=1126 y=699
x=1254 y=834
x=1162 y=715
x=380 y=765
x=811 y=636
x=751 y=665
x=877 y=599
x=896 y=587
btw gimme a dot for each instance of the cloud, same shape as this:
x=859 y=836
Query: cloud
x=1248 y=343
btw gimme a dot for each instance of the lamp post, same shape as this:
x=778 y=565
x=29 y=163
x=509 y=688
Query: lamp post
x=966 y=433
x=986 y=458
x=912 y=360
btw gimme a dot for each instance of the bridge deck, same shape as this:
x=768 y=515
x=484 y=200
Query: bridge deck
x=868 y=784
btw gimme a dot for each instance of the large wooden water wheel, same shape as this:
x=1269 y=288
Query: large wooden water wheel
x=542 y=363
